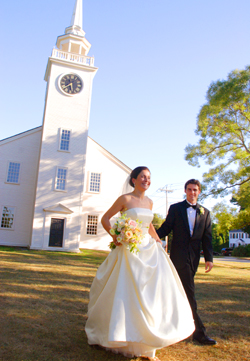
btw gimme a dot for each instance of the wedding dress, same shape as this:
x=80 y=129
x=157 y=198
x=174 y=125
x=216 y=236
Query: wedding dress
x=137 y=302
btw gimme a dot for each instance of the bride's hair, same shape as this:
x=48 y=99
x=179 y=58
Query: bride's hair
x=134 y=174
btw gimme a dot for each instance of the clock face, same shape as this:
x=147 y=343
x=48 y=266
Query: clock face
x=71 y=84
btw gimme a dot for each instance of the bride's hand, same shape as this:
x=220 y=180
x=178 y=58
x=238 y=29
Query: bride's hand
x=115 y=241
x=158 y=240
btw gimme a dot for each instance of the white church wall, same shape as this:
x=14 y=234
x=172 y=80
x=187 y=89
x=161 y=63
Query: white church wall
x=113 y=177
x=24 y=149
x=239 y=242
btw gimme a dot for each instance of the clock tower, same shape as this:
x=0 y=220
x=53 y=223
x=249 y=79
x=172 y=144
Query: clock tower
x=61 y=172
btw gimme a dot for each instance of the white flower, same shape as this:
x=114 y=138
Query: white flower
x=202 y=210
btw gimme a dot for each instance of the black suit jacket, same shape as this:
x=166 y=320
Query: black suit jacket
x=184 y=248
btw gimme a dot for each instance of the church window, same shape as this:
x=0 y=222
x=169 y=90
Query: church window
x=13 y=172
x=7 y=219
x=92 y=225
x=61 y=175
x=95 y=182
x=65 y=140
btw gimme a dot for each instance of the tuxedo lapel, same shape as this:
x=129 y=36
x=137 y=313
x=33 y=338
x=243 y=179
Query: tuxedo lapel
x=184 y=215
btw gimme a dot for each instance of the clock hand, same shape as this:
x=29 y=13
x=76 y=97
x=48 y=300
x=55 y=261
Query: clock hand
x=65 y=86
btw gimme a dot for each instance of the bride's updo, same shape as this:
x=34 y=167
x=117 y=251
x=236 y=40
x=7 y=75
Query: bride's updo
x=134 y=174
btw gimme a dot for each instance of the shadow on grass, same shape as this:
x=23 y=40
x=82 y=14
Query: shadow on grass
x=44 y=299
x=223 y=301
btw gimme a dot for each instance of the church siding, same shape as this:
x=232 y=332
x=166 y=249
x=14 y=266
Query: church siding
x=113 y=177
x=25 y=150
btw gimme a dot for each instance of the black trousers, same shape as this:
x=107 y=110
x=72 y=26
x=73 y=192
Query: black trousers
x=186 y=275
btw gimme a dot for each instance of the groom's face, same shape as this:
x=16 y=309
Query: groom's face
x=192 y=191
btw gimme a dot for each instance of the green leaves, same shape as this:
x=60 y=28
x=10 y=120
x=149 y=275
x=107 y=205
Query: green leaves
x=223 y=126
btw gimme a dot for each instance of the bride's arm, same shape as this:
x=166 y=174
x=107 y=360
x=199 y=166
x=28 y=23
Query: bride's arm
x=151 y=230
x=118 y=206
x=153 y=233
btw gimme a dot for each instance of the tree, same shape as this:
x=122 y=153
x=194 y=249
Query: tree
x=217 y=240
x=241 y=198
x=223 y=219
x=242 y=221
x=223 y=125
x=157 y=220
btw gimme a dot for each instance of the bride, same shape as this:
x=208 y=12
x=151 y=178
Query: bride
x=137 y=302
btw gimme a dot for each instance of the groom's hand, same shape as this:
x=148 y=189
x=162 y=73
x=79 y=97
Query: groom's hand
x=208 y=266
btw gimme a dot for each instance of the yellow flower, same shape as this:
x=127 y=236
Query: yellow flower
x=112 y=232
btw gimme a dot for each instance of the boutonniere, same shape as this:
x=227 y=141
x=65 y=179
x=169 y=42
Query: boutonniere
x=202 y=210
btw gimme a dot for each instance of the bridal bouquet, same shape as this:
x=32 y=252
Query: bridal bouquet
x=128 y=231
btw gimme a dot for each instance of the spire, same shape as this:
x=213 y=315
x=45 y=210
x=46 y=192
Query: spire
x=74 y=41
x=76 y=20
x=77 y=14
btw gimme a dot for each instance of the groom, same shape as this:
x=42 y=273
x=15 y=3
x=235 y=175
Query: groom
x=191 y=226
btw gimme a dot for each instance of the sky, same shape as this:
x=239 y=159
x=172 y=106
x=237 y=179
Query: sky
x=156 y=60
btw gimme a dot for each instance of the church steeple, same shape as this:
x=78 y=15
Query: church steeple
x=77 y=14
x=74 y=41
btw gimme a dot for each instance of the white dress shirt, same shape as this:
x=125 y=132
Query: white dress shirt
x=191 y=214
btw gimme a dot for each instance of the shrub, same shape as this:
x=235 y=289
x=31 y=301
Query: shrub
x=241 y=251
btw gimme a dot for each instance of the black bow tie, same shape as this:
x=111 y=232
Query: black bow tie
x=194 y=206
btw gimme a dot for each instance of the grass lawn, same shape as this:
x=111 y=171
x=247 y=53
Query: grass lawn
x=44 y=299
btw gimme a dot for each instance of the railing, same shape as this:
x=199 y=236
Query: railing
x=75 y=58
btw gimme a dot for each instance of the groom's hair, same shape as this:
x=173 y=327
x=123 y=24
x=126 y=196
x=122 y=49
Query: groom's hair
x=193 y=181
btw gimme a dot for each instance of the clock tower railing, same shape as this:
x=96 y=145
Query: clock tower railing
x=75 y=58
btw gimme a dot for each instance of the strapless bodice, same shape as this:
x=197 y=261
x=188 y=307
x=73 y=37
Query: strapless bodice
x=143 y=215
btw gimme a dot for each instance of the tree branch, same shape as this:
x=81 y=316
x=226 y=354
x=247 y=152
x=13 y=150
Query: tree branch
x=227 y=187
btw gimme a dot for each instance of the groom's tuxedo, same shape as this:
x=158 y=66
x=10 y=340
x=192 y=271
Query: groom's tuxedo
x=185 y=249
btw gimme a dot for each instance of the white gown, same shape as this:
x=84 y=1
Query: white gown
x=137 y=302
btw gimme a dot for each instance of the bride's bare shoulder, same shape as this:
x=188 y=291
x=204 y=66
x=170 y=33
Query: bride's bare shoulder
x=127 y=196
x=124 y=199
x=150 y=202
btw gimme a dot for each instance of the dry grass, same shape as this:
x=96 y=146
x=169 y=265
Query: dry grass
x=44 y=297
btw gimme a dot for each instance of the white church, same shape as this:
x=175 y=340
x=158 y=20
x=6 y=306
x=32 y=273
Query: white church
x=55 y=181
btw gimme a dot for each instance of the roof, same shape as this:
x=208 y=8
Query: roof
x=19 y=135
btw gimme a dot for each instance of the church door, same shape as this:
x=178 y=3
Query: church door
x=56 y=232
